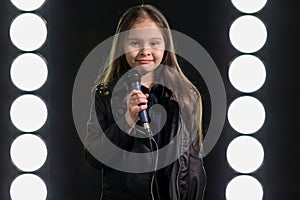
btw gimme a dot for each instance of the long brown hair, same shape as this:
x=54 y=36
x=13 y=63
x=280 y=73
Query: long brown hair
x=117 y=65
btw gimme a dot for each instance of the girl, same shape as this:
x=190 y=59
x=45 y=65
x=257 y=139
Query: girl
x=143 y=44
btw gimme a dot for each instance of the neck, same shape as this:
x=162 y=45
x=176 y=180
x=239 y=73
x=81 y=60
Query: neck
x=147 y=80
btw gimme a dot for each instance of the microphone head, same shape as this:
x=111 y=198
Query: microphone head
x=133 y=76
x=134 y=79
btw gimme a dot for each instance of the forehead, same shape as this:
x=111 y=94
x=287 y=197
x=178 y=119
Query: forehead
x=145 y=28
x=145 y=33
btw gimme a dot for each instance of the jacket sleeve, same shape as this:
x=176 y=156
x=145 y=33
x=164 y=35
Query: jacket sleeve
x=192 y=179
x=197 y=174
x=100 y=127
x=188 y=173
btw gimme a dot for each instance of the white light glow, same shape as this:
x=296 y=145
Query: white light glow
x=28 y=32
x=29 y=72
x=244 y=187
x=249 y=6
x=247 y=73
x=28 y=113
x=27 y=5
x=245 y=154
x=28 y=187
x=246 y=114
x=248 y=34
x=28 y=152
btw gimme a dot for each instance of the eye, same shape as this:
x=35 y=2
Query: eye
x=155 y=43
x=135 y=44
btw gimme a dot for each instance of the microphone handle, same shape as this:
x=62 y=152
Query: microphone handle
x=136 y=84
x=142 y=114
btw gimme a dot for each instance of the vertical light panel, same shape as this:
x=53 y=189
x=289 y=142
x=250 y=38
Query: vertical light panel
x=246 y=114
x=28 y=112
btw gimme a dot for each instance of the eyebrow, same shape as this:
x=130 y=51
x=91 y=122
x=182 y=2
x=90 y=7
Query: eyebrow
x=154 y=38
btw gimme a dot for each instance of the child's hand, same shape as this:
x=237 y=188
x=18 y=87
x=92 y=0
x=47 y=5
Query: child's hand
x=136 y=102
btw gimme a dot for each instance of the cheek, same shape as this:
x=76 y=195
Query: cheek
x=159 y=56
x=130 y=57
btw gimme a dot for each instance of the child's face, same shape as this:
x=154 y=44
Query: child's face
x=144 y=46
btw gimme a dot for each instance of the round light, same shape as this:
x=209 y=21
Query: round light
x=28 y=32
x=29 y=72
x=247 y=73
x=249 y=6
x=28 y=186
x=28 y=5
x=246 y=114
x=28 y=152
x=245 y=154
x=28 y=113
x=248 y=34
x=244 y=187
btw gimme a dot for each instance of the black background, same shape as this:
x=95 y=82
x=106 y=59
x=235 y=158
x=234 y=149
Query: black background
x=76 y=27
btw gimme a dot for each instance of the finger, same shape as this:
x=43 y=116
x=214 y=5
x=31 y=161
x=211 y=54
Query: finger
x=139 y=95
x=143 y=107
x=139 y=98
x=133 y=95
x=141 y=101
x=134 y=92
x=136 y=109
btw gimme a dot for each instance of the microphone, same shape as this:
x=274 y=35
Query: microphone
x=135 y=80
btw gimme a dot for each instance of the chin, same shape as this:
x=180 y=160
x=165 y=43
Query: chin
x=146 y=68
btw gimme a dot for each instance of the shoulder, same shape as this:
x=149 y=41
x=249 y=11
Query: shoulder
x=102 y=97
x=105 y=89
x=102 y=89
x=195 y=94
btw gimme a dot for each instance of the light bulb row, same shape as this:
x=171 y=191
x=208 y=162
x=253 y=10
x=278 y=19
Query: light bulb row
x=28 y=112
x=246 y=114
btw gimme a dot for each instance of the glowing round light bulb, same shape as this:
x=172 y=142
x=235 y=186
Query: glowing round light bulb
x=248 y=34
x=28 y=113
x=245 y=154
x=28 y=186
x=28 y=152
x=246 y=114
x=29 y=72
x=28 y=32
x=252 y=6
x=247 y=73
x=244 y=187
x=28 y=5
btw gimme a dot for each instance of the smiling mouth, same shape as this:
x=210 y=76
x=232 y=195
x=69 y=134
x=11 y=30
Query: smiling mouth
x=144 y=61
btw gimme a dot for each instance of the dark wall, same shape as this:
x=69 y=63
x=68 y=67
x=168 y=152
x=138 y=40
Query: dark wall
x=76 y=27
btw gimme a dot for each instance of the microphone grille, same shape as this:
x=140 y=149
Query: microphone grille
x=134 y=76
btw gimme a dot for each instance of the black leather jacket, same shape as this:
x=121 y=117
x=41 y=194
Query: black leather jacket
x=183 y=179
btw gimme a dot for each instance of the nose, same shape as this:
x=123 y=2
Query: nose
x=145 y=51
